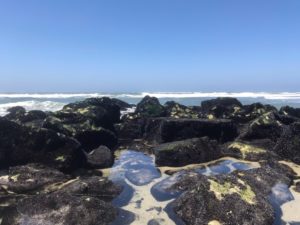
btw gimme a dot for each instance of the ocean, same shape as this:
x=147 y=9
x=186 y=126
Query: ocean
x=55 y=101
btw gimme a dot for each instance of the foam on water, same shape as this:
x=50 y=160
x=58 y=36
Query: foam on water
x=266 y=95
x=32 y=105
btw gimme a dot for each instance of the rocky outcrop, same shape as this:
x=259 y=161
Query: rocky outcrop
x=161 y=130
x=60 y=209
x=181 y=153
x=150 y=107
x=21 y=145
x=35 y=194
x=288 y=145
x=265 y=126
x=220 y=107
x=290 y=111
x=176 y=110
x=237 y=198
x=101 y=157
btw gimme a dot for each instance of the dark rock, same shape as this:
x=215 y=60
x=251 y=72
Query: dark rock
x=264 y=127
x=15 y=112
x=90 y=121
x=20 y=145
x=288 y=145
x=103 y=111
x=181 y=153
x=99 y=158
x=255 y=150
x=92 y=139
x=225 y=101
x=60 y=208
x=176 y=110
x=161 y=130
x=290 y=111
x=237 y=198
x=250 y=112
x=220 y=107
x=130 y=129
x=150 y=107
x=297 y=188
x=122 y=105
x=31 y=179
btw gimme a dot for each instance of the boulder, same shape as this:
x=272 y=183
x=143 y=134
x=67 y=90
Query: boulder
x=220 y=107
x=290 y=111
x=176 y=110
x=122 y=105
x=255 y=150
x=237 y=198
x=150 y=107
x=288 y=145
x=297 y=187
x=181 y=153
x=161 y=130
x=20 y=145
x=59 y=209
x=101 y=157
x=265 y=126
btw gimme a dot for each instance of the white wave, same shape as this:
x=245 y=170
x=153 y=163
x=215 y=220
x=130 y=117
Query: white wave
x=265 y=95
x=32 y=105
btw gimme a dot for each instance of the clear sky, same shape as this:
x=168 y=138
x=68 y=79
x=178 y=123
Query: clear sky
x=149 y=45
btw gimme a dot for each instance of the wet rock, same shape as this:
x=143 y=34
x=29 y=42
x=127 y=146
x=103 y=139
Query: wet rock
x=91 y=139
x=180 y=153
x=20 y=145
x=90 y=121
x=60 y=208
x=297 y=188
x=221 y=107
x=161 y=130
x=237 y=198
x=288 y=145
x=103 y=111
x=290 y=111
x=150 y=107
x=101 y=157
x=252 y=151
x=122 y=105
x=250 y=112
x=30 y=179
x=176 y=110
x=225 y=101
x=265 y=126
x=14 y=113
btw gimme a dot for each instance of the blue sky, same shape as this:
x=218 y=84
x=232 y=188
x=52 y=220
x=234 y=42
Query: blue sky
x=149 y=45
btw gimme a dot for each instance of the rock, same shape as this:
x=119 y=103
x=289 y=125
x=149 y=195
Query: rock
x=91 y=139
x=150 y=107
x=288 y=145
x=20 y=145
x=250 y=112
x=122 y=105
x=99 y=158
x=161 y=130
x=237 y=198
x=15 y=112
x=130 y=129
x=290 y=111
x=60 y=209
x=265 y=126
x=176 y=110
x=90 y=121
x=103 y=111
x=220 y=107
x=297 y=188
x=181 y=153
x=31 y=179
x=223 y=101
x=255 y=150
